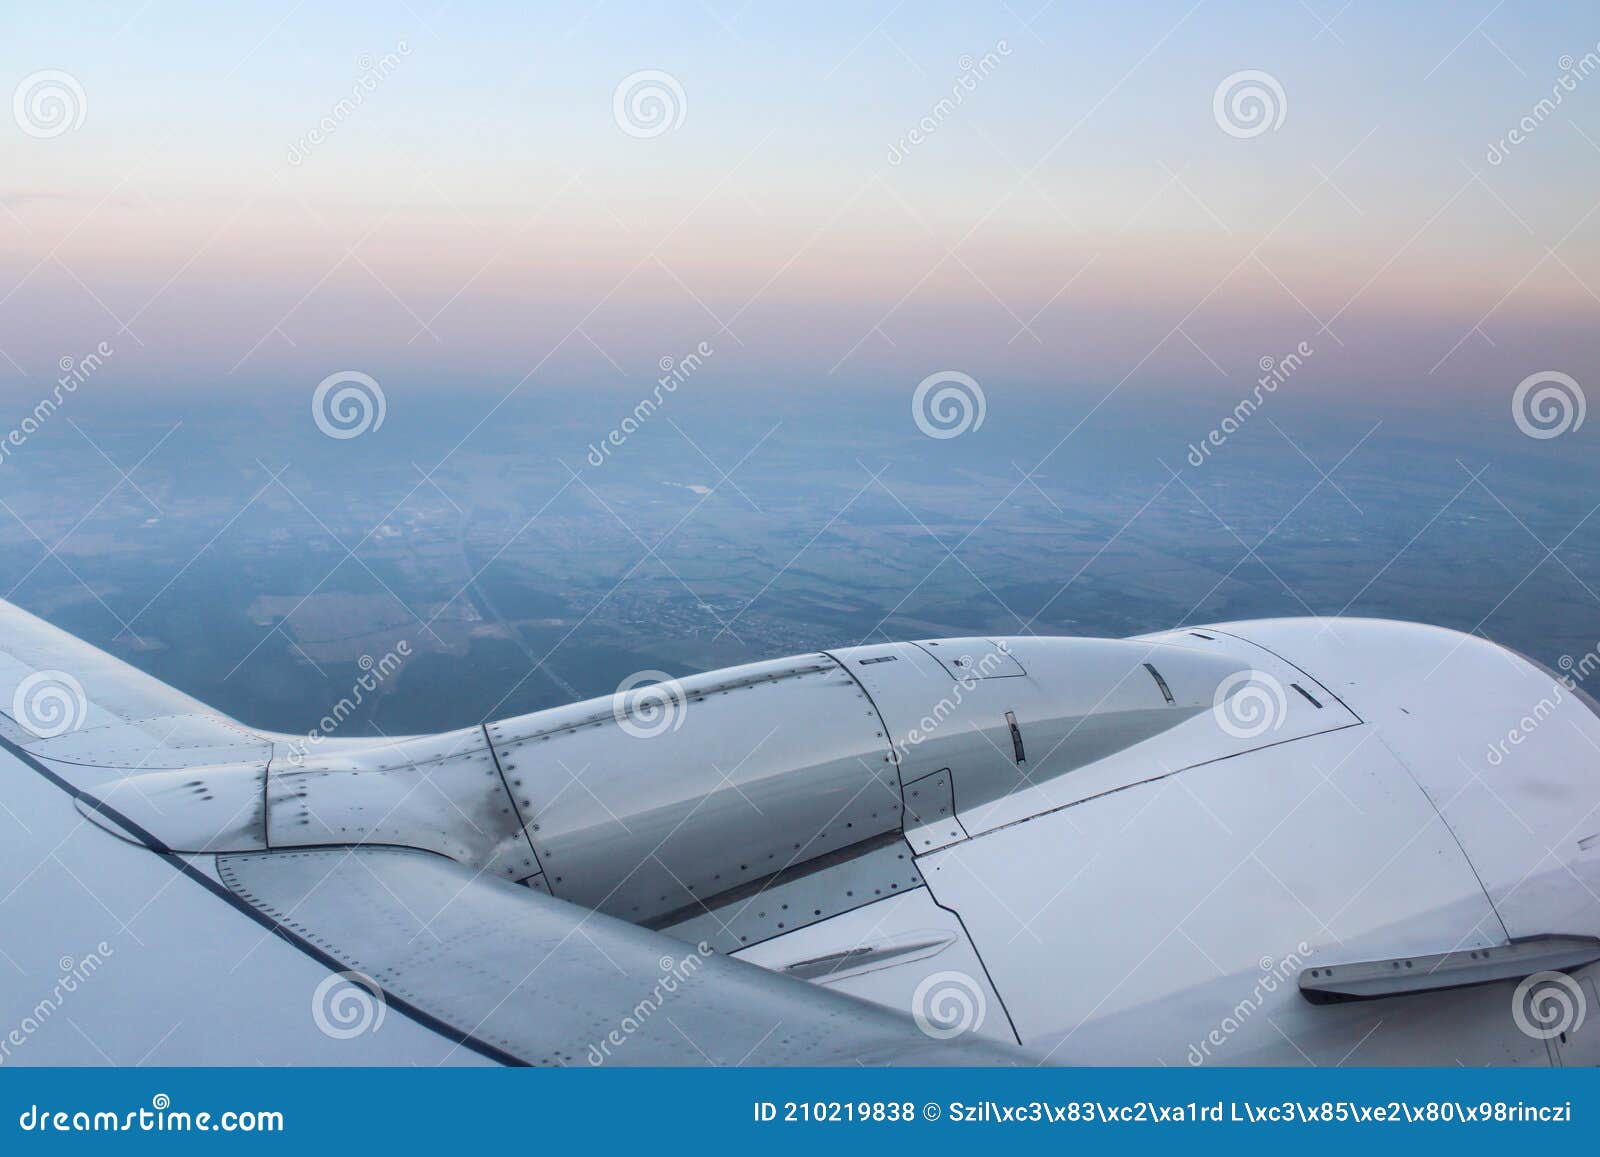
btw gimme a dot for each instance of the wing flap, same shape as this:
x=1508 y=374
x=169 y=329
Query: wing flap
x=1461 y=968
x=542 y=981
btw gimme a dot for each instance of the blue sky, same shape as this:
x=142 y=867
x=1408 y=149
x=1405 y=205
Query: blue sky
x=1078 y=218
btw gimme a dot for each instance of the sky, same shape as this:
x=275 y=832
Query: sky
x=462 y=197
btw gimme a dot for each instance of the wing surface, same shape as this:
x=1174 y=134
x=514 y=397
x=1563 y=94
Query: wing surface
x=546 y=982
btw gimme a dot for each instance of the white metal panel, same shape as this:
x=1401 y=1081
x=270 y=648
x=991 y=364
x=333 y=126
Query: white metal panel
x=746 y=774
x=443 y=793
x=1508 y=752
x=931 y=812
x=905 y=953
x=159 y=742
x=1132 y=923
x=979 y=658
x=199 y=809
x=811 y=894
x=1091 y=715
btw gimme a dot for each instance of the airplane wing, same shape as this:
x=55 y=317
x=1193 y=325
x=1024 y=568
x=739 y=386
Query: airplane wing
x=966 y=851
x=94 y=717
x=118 y=948
x=524 y=977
